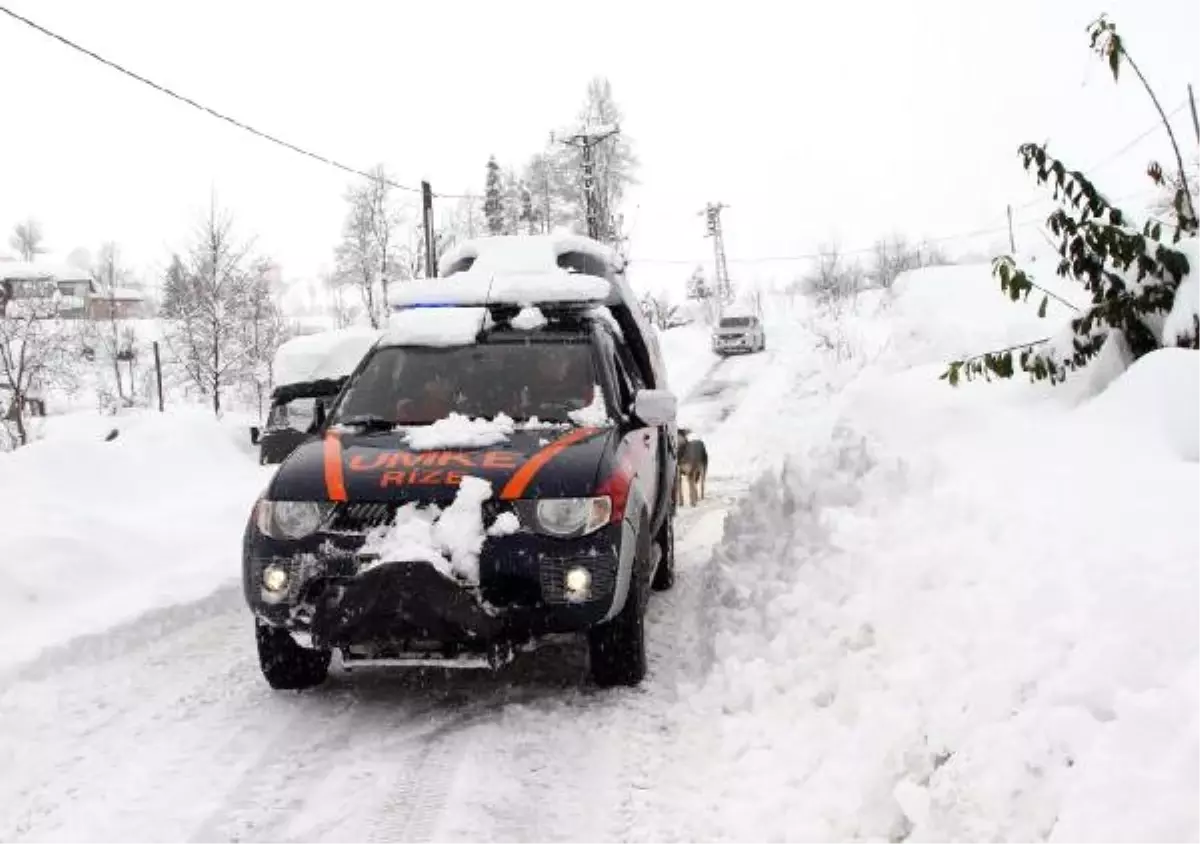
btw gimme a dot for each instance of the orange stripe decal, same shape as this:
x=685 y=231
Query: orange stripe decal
x=335 y=481
x=519 y=482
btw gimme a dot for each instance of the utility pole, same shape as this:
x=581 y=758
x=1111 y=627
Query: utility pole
x=1195 y=119
x=158 y=376
x=587 y=141
x=427 y=217
x=1012 y=243
x=712 y=215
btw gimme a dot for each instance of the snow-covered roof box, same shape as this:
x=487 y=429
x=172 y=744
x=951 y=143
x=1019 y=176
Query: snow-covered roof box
x=328 y=355
x=507 y=254
x=526 y=270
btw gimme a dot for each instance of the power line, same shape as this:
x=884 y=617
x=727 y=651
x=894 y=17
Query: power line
x=214 y=113
x=1113 y=156
x=815 y=255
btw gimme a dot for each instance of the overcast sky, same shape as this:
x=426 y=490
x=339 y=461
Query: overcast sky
x=839 y=119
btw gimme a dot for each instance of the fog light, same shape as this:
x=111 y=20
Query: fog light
x=578 y=583
x=275 y=578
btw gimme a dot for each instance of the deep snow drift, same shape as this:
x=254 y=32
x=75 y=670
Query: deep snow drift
x=961 y=614
x=95 y=532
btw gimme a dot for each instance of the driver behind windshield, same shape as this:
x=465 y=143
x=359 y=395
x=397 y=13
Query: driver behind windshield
x=436 y=400
x=560 y=385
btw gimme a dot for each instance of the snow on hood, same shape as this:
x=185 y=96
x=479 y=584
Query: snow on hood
x=458 y=431
x=328 y=354
x=436 y=326
x=450 y=540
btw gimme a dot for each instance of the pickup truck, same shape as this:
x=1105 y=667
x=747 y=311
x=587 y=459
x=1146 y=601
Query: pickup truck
x=498 y=472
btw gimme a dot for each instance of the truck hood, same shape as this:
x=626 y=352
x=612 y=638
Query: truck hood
x=378 y=466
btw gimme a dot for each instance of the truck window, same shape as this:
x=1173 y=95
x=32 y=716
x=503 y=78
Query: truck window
x=522 y=379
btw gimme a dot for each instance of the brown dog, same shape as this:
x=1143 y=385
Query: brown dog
x=693 y=467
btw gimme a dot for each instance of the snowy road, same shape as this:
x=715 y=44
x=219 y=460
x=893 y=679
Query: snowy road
x=163 y=729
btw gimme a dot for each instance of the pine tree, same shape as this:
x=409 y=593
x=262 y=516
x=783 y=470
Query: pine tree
x=493 y=202
x=511 y=201
x=528 y=217
x=175 y=289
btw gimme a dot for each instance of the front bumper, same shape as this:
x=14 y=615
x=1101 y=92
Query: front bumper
x=342 y=600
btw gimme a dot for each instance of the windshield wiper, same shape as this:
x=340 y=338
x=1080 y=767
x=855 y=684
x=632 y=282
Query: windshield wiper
x=369 y=423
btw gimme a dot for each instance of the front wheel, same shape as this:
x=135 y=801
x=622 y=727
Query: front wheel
x=286 y=665
x=618 y=647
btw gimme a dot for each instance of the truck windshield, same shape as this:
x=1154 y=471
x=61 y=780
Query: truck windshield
x=736 y=322
x=404 y=385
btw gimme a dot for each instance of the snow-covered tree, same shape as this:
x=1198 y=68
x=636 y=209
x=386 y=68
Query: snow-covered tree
x=894 y=255
x=357 y=256
x=175 y=293
x=35 y=347
x=555 y=199
x=264 y=330
x=832 y=280
x=386 y=218
x=111 y=335
x=493 y=199
x=26 y=239
x=698 y=287
x=207 y=336
x=528 y=218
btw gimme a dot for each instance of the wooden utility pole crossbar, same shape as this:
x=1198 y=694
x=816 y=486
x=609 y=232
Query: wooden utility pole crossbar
x=587 y=141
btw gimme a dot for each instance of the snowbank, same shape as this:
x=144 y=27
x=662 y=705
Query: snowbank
x=961 y=614
x=96 y=532
x=944 y=313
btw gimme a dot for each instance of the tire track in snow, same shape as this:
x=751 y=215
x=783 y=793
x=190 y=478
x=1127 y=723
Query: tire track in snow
x=585 y=768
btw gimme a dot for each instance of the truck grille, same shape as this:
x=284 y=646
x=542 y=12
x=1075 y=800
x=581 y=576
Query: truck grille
x=359 y=517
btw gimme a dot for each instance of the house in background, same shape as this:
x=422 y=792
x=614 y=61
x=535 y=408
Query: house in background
x=39 y=280
x=79 y=295
x=117 y=303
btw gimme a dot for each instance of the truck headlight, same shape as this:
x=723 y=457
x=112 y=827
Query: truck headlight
x=568 y=517
x=290 y=519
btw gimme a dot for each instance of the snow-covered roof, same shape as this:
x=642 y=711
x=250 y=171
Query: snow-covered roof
x=35 y=270
x=328 y=354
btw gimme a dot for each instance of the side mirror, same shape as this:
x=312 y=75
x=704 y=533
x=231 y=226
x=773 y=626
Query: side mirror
x=655 y=407
x=255 y=435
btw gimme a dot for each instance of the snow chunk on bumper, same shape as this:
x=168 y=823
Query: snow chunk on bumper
x=449 y=540
x=458 y=431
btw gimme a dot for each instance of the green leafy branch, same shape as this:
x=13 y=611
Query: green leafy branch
x=1110 y=46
